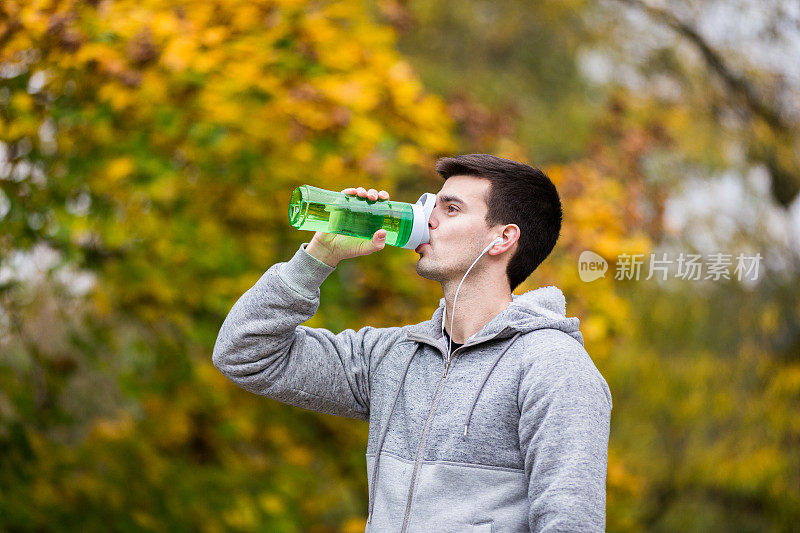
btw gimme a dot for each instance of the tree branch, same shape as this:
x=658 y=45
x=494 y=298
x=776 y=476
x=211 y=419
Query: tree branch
x=736 y=83
x=784 y=178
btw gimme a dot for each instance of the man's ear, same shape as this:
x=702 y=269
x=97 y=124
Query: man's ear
x=510 y=235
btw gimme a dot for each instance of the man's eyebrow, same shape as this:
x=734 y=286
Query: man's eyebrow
x=446 y=198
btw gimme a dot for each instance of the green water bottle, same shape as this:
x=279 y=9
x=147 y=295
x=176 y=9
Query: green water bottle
x=406 y=225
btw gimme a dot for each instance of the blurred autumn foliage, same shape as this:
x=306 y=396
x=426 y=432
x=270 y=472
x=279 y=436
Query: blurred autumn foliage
x=150 y=150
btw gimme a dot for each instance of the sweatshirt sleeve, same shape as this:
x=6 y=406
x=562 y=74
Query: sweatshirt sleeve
x=262 y=348
x=565 y=415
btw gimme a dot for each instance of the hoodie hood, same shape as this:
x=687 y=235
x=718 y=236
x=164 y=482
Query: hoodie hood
x=540 y=308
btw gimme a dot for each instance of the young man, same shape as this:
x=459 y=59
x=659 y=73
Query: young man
x=490 y=416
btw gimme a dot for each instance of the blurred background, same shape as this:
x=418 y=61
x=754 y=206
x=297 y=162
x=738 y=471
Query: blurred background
x=149 y=149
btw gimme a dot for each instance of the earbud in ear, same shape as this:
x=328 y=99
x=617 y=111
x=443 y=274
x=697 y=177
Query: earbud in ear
x=496 y=241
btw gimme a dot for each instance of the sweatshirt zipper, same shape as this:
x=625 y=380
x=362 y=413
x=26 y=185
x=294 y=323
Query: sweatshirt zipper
x=431 y=341
x=422 y=445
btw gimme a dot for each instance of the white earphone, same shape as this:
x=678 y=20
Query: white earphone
x=444 y=313
x=497 y=240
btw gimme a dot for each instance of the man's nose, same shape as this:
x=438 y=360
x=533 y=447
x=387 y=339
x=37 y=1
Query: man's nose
x=432 y=222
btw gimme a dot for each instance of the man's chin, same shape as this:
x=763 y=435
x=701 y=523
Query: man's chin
x=424 y=272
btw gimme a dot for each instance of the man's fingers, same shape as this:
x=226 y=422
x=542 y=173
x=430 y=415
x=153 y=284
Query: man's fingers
x=371 y=194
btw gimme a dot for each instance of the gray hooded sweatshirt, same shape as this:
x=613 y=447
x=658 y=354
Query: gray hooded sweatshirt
x=509 y=433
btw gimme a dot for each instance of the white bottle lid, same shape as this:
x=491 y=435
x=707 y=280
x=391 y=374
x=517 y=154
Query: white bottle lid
x=422 y=213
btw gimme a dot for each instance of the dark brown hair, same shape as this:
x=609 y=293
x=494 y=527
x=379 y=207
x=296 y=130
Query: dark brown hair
x=519 y=194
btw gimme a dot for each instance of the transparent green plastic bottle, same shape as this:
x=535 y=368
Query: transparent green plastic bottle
x=406 y=225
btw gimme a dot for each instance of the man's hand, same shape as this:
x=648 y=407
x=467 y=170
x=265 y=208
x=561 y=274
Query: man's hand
x=330 y=248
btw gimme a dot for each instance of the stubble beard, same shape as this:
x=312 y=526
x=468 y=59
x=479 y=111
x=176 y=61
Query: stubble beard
x=427 y=270
x=430 y=269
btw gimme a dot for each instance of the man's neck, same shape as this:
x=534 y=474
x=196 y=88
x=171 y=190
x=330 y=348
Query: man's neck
x=478 y=303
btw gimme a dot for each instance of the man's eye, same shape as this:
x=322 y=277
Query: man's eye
x=451 y=207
